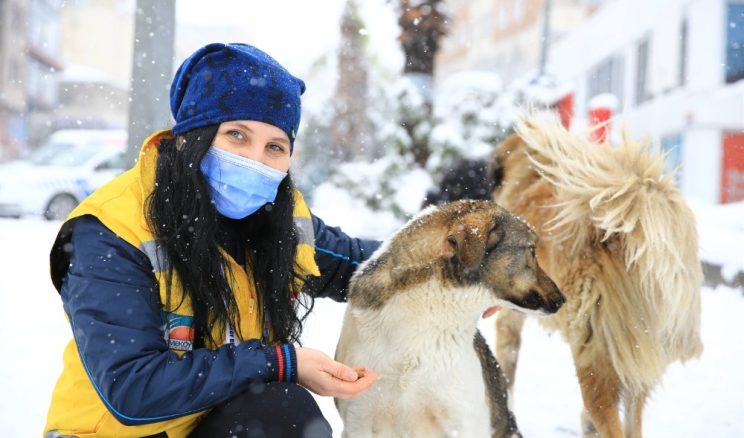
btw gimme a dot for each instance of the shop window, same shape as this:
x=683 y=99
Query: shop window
x=607 y=77
x=671 y=145
x=735 y=42
x=641 y=88
x=683 y=37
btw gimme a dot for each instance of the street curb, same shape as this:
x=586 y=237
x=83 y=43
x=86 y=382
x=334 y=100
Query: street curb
x=714 y=277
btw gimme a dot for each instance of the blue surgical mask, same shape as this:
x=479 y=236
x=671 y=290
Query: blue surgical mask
x=239 y=186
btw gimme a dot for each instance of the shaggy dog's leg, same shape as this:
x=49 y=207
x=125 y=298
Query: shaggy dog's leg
x=634 y=405
x=508 y=341
x=587 y=427
x=601 y=393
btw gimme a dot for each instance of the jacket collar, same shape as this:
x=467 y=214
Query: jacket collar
x=147 y=160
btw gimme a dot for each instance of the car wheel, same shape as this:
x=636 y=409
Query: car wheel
x=60 y=207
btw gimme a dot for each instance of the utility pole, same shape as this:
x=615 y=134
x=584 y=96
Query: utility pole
x=545 y=37
x=152 y=70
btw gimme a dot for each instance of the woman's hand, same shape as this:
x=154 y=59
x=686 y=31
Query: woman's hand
x=324 y=376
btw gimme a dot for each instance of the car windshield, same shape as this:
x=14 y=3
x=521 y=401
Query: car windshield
x=62 y=154
x=43 y=154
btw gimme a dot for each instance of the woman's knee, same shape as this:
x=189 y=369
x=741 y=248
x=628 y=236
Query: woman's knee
x=270 y=410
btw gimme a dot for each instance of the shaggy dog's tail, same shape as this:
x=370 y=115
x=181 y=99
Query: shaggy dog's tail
x=619 y=194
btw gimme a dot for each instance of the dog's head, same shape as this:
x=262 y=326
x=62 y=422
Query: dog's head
x=510 y=171
x=462 y=244
x=488 y=246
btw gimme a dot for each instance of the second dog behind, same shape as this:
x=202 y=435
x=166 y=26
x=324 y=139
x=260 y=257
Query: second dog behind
x=618 y=238
x=413 y=313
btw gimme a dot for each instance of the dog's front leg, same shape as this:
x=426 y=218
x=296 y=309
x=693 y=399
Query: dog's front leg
x=634 y=414
x=601 y=395
x=508 y=342
x=363 y=420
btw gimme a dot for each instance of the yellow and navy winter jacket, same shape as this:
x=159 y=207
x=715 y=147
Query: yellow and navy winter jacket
x=130 y=369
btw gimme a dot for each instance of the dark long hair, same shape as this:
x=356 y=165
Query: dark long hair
x=186 y=226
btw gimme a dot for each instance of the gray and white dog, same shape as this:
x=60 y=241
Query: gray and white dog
x=412 y=316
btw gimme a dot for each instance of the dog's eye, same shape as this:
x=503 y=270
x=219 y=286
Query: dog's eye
x=532 y=251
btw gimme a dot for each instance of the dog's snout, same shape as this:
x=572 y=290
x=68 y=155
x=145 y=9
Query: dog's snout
x=533 y=301
x=553 y=295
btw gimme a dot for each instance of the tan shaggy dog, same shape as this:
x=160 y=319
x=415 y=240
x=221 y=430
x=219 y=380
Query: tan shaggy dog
x=620 y=242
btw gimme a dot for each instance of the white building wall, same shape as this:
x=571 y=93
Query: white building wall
x=701 y=164
x=707 y=48
x=503 y=36
x=698 y=110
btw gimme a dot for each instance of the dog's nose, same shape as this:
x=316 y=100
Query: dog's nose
x=556 y=302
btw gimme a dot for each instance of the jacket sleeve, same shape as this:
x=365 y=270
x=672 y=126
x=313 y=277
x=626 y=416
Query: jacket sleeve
x=111 y=298
x=337 y=256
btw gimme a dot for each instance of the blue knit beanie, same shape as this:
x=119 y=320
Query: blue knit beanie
x=222 y=82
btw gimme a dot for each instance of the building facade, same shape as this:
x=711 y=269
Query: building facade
x=13 y=68
x=93 y=90
x=112 y=23
x=676 y=68
x=504 y=36
x=43 y=66
x=29 y=64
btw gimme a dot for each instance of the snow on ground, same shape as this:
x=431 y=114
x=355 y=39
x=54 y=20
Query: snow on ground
x=32 y=326
x=721 y=235
x=704 y=397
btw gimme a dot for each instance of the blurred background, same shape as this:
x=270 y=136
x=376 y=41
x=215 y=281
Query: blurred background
x=401 y=95
x=395 y=87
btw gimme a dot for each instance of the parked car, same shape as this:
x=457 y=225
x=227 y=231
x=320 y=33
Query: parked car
x=56 y=177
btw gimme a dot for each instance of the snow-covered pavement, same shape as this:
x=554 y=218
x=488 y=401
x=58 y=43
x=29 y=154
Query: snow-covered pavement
x=702 y=398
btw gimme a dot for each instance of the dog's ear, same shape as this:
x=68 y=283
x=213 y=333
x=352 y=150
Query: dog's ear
x=467 y=243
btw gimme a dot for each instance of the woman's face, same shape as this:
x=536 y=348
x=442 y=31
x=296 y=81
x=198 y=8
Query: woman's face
x=258 y=141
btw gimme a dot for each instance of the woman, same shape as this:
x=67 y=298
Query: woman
x=181 y=277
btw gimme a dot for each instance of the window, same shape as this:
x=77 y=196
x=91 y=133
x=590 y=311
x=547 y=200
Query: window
x=607 y=77
x=75 y=156
x=502 y=20
x=45 y=154
x=484 y=27
x=683 y=35
x=671 y=145
x=518 y=10
x=641 y=88
x=116 y=162
x=735 y=42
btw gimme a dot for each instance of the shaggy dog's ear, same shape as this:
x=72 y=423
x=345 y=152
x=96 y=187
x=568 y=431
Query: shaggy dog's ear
x=467 y=243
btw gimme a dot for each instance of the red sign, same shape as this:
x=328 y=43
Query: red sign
x=599 y=118
x=601 y=108
x=732 y=174
x=565 y=109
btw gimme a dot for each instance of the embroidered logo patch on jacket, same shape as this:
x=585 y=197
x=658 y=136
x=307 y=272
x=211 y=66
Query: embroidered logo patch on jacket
x=178 y=331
